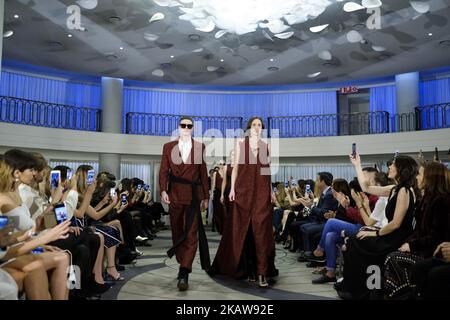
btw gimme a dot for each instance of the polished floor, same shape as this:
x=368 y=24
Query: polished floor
x=154 y=277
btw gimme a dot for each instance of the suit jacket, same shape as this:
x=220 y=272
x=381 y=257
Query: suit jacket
x=194 y=170
x=326 y=203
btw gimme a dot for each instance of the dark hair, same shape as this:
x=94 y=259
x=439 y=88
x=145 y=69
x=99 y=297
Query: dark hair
x=407 y=170
x=354 y=184
x=326 y=177
x=41 y=163
x=126 y=184
x=369 y=169
x=63 y=170
x=250 y=121
x=435 y=185
x=186 y=118
x=19 y=160
x=341 y=185
x=381 y=179
x=311 y=183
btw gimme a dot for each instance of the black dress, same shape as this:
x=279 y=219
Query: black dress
x=361 y=254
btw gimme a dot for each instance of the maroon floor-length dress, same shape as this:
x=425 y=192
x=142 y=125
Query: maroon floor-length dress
x=251 y=219
x=219 y=210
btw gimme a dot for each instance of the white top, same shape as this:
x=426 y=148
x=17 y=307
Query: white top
x=185 y=149
x=32 y=200
x=22 y=217
x=378 y=212
x=71 y=203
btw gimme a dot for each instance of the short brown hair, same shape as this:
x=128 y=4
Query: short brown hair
x=186 y=118
x=41 y=163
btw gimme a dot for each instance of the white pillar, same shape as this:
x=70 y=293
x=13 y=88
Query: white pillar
x=407 y=85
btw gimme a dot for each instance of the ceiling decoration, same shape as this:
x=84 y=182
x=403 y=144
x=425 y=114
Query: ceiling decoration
x=230 y=42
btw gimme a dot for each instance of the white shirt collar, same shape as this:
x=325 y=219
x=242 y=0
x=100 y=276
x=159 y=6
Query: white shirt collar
x=324 y=192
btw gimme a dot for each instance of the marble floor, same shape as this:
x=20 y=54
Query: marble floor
x=153 y=277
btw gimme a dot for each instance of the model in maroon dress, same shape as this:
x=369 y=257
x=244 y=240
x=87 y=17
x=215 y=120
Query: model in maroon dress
x=219 y=210
x=247 y=246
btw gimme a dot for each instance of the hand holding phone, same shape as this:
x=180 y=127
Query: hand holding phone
x=354 y=150
x=90 y=177
x=60 y=213
x=112 y=192
x=124 y=199
x=55 y=178
x=307 y=189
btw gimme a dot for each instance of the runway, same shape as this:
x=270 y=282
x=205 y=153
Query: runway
x=153 y=277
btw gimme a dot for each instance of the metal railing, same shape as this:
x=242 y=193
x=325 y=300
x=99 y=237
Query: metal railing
x=45 y=114
x=165 y=125
x=329 y=125
x=433 y=117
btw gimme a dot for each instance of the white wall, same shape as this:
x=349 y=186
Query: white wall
x=149 y=148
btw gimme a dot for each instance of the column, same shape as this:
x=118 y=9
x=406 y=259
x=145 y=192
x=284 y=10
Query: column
x=2 y=21
x=112 y=109
x=407 y=85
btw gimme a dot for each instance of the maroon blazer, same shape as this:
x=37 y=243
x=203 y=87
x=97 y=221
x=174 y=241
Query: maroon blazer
x=194 y=170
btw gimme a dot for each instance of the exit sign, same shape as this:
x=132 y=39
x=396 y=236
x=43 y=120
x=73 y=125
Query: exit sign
x=347 y=90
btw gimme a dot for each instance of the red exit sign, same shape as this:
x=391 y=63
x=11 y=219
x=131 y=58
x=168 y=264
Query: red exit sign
x=347 y=90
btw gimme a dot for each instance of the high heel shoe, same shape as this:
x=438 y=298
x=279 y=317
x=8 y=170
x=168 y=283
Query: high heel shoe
x=118 y=278
x=262 y=282
x=287 y=244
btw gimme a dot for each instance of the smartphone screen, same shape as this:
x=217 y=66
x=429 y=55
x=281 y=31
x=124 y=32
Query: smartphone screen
x=286 y=184
x=112 y=192
x=124 y=199
x=69 y=174
x=90 y=177
x=354 y=150
x=307 y=189
x=146 y=187
x=54 y=178
x=293 y=183
x=3 y=222
x=37 y=250
x=397 y=153
x=60 y=213
x=139 y=187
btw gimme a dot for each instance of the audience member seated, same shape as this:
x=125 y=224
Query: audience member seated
x=432 y=228
x=370 y=248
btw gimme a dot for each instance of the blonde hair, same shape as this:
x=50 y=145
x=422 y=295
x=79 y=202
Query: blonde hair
x=6 y=182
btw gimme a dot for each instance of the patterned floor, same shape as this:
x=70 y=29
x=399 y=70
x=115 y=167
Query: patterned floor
x=154 y=277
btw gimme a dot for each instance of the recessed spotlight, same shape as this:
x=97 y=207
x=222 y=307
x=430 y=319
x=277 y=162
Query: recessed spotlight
x=16 y=16
x=171 y=57
x=221 y=60
x=430 y=34
x=271 y=59
x=69 y=35
x=8 y=34
x=121 y=48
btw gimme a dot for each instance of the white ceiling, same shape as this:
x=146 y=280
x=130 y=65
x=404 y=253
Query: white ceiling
x=41 y=38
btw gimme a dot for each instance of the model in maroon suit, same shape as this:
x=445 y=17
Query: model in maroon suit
x=247 y=244
x=183 y=185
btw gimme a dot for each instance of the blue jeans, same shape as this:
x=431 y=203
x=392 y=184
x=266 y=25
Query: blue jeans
x=331 y=237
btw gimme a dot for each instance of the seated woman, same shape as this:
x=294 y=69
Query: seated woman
x=332 y=234
x=16 y=167
x=370 y=248
x=110 y=232
x=432 y=276
x=432 y=228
